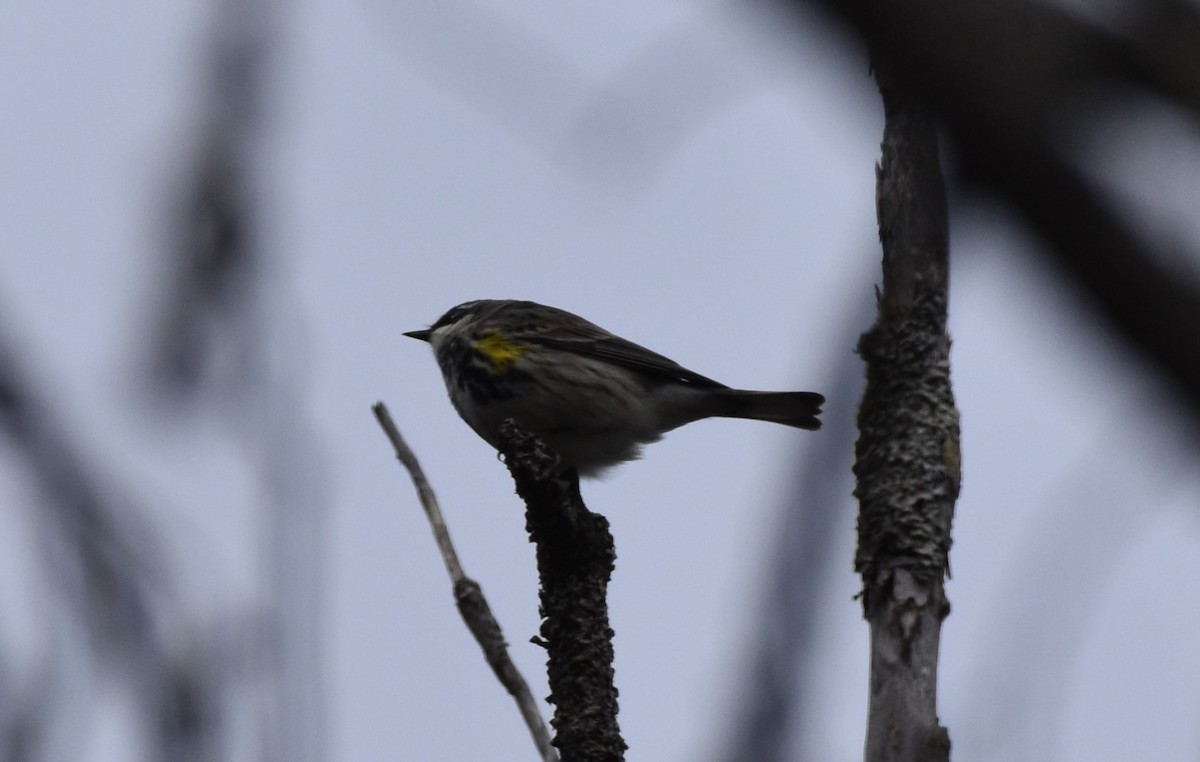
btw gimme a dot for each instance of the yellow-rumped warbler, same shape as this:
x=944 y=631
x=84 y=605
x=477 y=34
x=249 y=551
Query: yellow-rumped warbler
x=593 y=397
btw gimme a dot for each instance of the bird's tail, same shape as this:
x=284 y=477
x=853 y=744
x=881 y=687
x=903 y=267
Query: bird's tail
x=799 y=409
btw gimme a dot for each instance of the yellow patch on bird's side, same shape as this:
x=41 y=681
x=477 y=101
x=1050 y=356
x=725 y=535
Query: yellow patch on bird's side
x=499 y=350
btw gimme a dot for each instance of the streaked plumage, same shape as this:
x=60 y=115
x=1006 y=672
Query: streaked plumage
x=592 y=396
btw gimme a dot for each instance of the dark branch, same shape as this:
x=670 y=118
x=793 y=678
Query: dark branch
x=576 y=557
x=907 y=451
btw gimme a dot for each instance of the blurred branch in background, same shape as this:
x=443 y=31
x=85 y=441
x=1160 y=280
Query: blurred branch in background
x=111 y=586
x=228 y=339
x=207 y=332
x=1018 y=84
x=221 y=349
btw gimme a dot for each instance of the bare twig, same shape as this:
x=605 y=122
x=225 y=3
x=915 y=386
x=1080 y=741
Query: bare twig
x=468 y=596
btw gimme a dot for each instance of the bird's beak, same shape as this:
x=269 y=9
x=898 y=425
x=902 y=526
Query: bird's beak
x=423 y=334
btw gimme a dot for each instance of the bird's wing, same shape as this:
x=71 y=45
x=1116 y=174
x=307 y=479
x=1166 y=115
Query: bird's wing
x=605 y=346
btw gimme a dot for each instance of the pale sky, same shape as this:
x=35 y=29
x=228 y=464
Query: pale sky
x=682 y=175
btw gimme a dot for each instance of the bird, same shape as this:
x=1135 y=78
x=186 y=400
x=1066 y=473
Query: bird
x=593 y=397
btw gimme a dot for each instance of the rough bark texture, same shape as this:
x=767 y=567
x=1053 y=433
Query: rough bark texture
x=576 y=557
x=907 y=455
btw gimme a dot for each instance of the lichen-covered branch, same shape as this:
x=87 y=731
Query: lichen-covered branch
x=907 y=455
x=575 y=556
